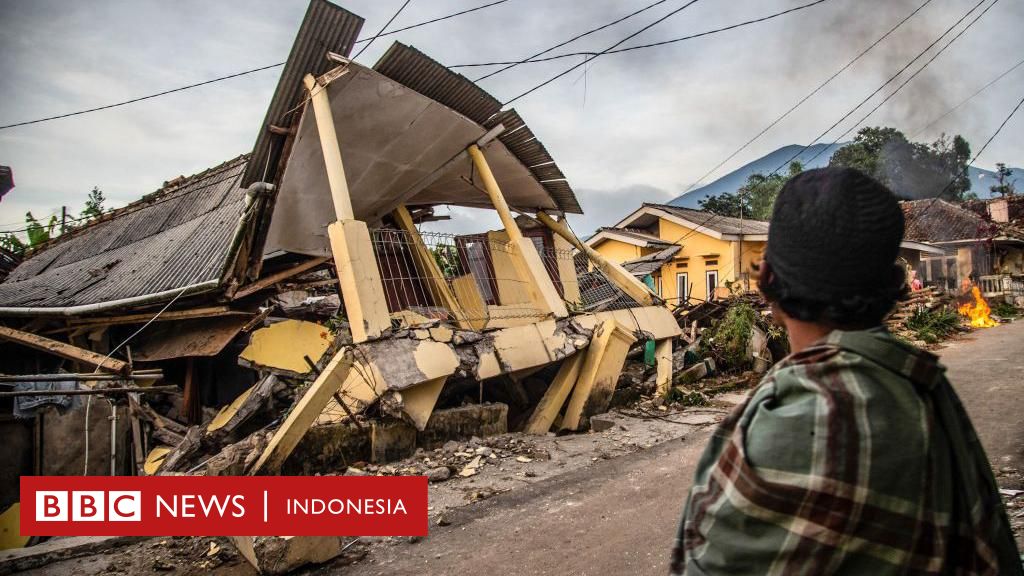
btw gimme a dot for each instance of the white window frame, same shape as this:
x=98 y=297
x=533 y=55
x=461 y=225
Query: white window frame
x=707 y=283
x=682 y=288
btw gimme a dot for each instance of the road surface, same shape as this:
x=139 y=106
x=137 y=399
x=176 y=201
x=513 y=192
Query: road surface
x=619 y=516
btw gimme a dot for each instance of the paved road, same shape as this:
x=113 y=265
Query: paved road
x=619 y=517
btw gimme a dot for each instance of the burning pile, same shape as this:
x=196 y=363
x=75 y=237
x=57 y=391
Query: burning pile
x=978 y=311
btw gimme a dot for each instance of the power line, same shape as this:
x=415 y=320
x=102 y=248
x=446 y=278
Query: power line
x=230 y=76
x=382 y=29
x=884 y=84
x=905 y=82
x=439 y=19
x=534 y=59
x=612 y=47
x=557 y=46
x=809 y=95
x=966 y=100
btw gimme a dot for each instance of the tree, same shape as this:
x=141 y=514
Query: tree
x=910 y=169
x=756 y=197
x=1005 y=186
x=38 y=233
x=94 y=204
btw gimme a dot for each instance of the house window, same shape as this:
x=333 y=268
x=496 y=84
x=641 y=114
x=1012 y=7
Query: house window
x=682 y=287
x=712 y=278
x=711 y=263
x=657 y=285
x=680 y=264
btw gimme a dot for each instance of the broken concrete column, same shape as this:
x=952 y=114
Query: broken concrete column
x=694 y=373
x=391 y=440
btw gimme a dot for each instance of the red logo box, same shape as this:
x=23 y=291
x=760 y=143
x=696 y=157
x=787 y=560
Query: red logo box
x=224 y=506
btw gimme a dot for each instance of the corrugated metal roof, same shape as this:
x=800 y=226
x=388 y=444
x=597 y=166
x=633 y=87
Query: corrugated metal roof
x=325 y=28
x=168 y=240
x=651 y=263
x=414 y=69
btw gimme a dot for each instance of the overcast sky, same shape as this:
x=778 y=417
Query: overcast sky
x=638 y=126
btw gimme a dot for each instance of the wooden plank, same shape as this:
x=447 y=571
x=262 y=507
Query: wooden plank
x=428 y=268
x=277 y=277
x=166 y=316
x=63 y=350
x=599 y=373
x=304 y=413
x=551 y=404
x=190 y=400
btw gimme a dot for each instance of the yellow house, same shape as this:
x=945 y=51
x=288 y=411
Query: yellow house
x=713 y=251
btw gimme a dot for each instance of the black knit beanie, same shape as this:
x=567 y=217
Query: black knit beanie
x=835 y=233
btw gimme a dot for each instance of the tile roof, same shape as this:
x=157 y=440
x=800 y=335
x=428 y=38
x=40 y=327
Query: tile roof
x=932 y=220
x=635 y=234
x=173 y=238
x=720 y=224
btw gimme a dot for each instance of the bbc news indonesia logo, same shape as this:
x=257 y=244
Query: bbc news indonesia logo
x=224 y=506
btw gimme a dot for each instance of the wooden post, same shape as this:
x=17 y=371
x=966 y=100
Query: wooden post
x=636 y=289
x=529 y=266
x=190 y=398
x=428 y=267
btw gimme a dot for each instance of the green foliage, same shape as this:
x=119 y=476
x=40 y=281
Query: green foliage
x=1004 y=309
x=1005 y=186
x=94 y=204
x=11 y=242
x=910 y=169
x=933 y=326
x=38 y=233
x=754 y=199
x=730 y=337
x=447 y=258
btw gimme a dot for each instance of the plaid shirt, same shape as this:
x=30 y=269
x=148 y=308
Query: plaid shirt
x=853 y=456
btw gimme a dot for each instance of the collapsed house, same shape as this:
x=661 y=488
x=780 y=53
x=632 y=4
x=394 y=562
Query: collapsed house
x=973 y=244
x=284 y=311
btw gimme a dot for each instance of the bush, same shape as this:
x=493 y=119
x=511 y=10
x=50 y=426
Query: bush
x=932 y=326
x=1005 y=310
x=730 y=337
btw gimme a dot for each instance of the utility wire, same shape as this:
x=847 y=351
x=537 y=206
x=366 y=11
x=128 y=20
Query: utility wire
x=382 y=29
x=535 y=58
x=612 y=47
x=966 y=100
x=882 y=87
x=905 y=82
x=230 y=76
x=509 y=65
x=809 y=95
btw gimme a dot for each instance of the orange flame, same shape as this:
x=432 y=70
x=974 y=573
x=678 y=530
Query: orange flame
x=978 y=311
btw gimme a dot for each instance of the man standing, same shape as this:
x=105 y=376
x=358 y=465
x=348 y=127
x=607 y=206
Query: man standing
x=854 y=455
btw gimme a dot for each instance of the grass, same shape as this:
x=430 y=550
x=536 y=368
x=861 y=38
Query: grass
x=932 y=326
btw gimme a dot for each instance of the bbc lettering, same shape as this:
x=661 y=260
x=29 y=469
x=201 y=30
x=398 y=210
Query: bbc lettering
x=89 y=506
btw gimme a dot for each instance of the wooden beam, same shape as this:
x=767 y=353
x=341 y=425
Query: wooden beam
x=166 y=316
x=277 y=277
x=551 y=404
x=304 y=413
x=190 y=401
x=63 y=350
x=428 y=267
x=636 y=289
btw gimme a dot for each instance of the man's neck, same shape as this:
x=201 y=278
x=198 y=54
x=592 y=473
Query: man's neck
x=803 y=334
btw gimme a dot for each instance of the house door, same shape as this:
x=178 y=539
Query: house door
x=712 y=283
x=682 y=288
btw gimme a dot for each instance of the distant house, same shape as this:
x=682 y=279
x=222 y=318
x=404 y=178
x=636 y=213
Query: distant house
x=710 y=252
x=978 y=243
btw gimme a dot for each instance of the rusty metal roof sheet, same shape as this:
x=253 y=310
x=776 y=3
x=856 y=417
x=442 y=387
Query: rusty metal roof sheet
x=414 y=69
x=168 y=240
x=325 y=28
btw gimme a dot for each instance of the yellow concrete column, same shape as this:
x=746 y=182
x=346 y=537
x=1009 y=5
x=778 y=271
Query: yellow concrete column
x=529 y=267
x=331 y=148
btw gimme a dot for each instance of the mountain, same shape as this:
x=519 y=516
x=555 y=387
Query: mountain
x=981 y=179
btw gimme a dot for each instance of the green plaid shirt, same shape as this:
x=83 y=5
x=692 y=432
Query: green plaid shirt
x=853 y=456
